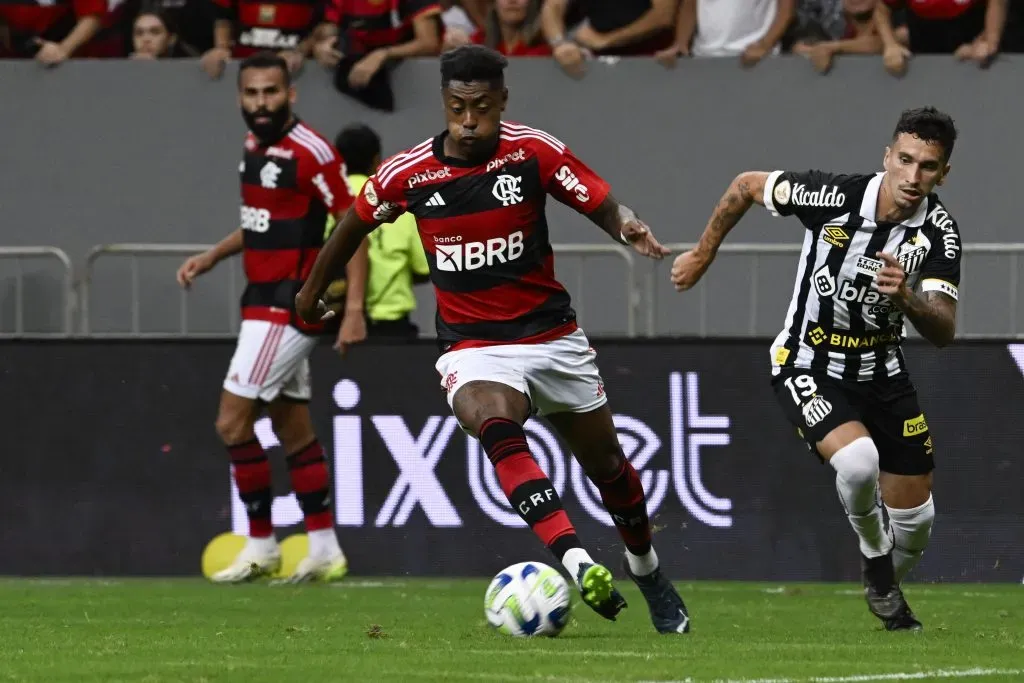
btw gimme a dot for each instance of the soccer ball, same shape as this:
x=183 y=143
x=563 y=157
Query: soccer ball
x=528 y=599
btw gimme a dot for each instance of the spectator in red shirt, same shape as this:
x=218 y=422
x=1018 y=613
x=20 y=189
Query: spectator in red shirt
x=50 y=31
x=361 y=39
x=512 y=27
x=971 y=30
x=280 y=25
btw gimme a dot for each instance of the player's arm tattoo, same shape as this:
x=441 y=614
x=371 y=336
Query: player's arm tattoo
x=612 y=217
x=933 y=314
x=339 y=249
x=745 y=190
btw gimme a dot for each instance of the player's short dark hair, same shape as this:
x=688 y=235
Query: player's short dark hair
x=470 y=63
x=929 y=124
x=265 y=59
x=358 y=145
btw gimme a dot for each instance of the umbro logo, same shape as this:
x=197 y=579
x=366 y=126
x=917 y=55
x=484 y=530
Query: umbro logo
x=435 y=200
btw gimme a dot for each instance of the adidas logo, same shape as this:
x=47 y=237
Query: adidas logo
x=435 y=200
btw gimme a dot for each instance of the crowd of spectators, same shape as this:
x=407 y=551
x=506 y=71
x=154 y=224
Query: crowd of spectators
x=360 y=41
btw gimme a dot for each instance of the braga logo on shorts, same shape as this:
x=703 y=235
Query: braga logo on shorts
x=454 y=255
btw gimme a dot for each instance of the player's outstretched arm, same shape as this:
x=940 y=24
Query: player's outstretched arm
x=622 y=223
x=342 y=245
x=932 y=313
x=745 y=190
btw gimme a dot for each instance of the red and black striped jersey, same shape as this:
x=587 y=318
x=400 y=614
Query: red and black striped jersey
x=367 y=25
x=288 y=189
x=48 y=19
x=269 y=25
x=485 y=233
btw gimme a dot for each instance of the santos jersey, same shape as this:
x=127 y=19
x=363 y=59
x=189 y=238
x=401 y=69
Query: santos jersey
x=485 y=234
x=838 y=322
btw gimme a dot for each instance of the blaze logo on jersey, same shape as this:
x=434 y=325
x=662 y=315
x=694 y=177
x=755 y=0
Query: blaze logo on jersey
x=269 y=175
x=835 y=235
x=823 y=197
x=572 y=183
x=824 y=283
x=453 y=255
x=506 y=189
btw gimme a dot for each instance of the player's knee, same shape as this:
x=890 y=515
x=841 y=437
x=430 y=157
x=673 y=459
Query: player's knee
x=857 y=463
x=603 y=461
x=478 y=402
x=233 y=429
x=913 y=526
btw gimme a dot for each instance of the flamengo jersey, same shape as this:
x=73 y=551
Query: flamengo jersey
x=838 y=322
x=268 y=25
x=485 y=234
x=288 y=189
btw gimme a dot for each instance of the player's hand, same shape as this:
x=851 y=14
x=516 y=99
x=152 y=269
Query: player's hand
x=353 y=331
x=50 y=53
x=891 y=279
x=571 y=58
x=311 y=309
x=326 y=53
x=193 y=267
x=366 y=68
x=754 y=53
x=688 y=268
x=214 y=60
x=895 y=59
x=639 y=236
x=667 y=57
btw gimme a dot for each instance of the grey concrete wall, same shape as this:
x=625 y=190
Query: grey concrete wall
x=120 y=151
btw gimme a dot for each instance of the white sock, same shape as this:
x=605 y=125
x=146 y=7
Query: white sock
x=856 y=466
x=572 y=560
x=266 y=545
x=323 y=543
x=911 y=530
x=642 y=565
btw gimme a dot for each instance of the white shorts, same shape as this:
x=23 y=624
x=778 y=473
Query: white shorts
x=557 y=376
x=270 y=360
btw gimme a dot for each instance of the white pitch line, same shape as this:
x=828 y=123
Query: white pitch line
x=867 y=678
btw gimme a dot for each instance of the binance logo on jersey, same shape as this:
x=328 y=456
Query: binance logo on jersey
x=835 y=235
x=454 y=255
x=843 y=340
x=915 y=426
x=817 y=336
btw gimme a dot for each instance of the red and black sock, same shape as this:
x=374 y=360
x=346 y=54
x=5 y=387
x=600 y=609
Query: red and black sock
x=311 y=484
x=251 y=470
x=623 y=496
x=527 y=488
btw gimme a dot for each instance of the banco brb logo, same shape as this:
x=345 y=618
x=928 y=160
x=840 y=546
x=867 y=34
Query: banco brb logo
x=690 y=435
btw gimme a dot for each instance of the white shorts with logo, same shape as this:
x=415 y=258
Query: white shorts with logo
x=557 y=376
x=271 y=360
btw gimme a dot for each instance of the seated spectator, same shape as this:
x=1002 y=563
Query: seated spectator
x=397 y=258
x=155 y=36
x=51 y=32
x=512 y=28
x=840 y=27
x=749 y=29
x=608 y=27
x=245 y=27
x=362 y=40
x=971 y=30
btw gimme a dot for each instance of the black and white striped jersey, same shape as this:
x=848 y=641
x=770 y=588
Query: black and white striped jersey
x=838 y=322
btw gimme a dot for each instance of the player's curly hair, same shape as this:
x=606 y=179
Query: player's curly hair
x=470 y=63
x=929 y=124
x=265 y=59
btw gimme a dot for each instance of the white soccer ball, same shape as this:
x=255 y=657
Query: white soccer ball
x=528 y=599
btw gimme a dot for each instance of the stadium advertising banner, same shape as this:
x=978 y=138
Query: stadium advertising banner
x=113 y=467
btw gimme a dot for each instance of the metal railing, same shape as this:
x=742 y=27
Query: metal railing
x=1012 y=250
x=134 y=251
x=17 y=254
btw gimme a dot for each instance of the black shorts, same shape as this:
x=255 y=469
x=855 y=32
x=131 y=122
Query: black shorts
x=816 y=404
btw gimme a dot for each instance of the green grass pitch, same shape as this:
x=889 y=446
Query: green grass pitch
x=159 y=631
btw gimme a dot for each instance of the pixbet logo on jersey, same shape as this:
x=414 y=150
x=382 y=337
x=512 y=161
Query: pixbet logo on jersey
x=429 y=175
x=454 y=255
x=417 y=456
